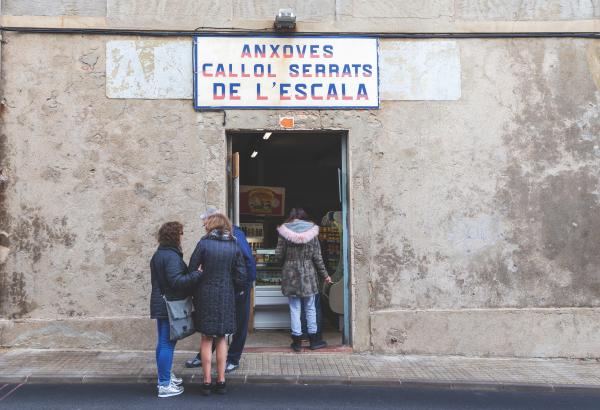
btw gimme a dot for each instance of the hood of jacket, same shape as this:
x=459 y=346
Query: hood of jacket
x=298 y=231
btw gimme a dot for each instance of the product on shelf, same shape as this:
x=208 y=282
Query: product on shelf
x=331 y=246
x=253 y=229
x=268 y=270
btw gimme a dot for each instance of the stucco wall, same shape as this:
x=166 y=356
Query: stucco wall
x=475 y=223
x=496 y=216
x=90 y=181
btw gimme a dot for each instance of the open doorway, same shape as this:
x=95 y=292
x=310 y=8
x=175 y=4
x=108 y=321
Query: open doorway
x=271 y=173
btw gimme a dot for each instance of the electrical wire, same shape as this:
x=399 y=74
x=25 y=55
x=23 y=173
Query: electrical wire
x=237 y=31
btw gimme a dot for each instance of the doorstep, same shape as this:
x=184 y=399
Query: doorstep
x=305 y=349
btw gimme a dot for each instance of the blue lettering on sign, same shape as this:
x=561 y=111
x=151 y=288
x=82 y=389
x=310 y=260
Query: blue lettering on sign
x=313 y=93
x=260 y=50
x=300 y=91
x=284 y=90
x=332 y=92
x=362 y=92
x=288 y=51
x=259 y=70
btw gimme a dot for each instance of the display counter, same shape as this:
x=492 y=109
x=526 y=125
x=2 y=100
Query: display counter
x=270 y=305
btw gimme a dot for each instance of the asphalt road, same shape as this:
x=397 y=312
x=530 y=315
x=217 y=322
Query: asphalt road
x=264 y=396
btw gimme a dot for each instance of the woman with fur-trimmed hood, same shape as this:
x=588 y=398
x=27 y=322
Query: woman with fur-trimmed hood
x=299 y=249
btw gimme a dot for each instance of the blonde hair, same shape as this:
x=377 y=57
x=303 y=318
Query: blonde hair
x=219 y=222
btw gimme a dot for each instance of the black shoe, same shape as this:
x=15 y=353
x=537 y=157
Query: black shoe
x=195 y=362
x=304 y=336
x=296 y=344
x=206 y=389
x=220 y=388
x=316 y=342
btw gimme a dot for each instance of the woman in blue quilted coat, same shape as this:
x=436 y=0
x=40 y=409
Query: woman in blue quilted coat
x=224 y=271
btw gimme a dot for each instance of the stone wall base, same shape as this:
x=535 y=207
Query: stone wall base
x=571 y=332
x=129 y=333
x=568 y=332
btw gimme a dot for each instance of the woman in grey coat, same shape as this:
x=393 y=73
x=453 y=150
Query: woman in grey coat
x=299 y=249
x=224 y=271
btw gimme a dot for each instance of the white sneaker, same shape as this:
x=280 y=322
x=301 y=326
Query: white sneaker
x=177 y=381
x=170 y=390
x=231 y=367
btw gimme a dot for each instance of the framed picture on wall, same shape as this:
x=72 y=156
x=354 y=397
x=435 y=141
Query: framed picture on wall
x=262 y=200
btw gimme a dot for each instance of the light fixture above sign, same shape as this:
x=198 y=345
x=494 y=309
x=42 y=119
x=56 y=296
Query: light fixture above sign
x=285 y=19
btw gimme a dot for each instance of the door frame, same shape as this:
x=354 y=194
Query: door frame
x=345 y=202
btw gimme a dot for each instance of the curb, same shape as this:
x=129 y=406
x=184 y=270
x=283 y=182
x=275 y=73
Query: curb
x=409 y=384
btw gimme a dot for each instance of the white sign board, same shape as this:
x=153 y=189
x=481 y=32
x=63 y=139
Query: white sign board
x=420 y=70
x=285 y=72
x=154 y=69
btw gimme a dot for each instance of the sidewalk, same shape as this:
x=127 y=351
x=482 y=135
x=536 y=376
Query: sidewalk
x=51 y=366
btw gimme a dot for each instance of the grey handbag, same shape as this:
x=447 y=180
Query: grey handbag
x=181 y=323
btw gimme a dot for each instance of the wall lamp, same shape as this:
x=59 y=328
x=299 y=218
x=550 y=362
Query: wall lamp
x=285 y=19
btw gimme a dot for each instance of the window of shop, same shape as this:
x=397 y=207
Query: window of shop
x=271 y=173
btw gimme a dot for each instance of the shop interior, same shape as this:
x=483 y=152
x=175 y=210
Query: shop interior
x=277 y=172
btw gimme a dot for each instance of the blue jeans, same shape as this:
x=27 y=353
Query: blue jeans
x=319 y=316
x=242 y=315
x=296 y=304
x=164 y=352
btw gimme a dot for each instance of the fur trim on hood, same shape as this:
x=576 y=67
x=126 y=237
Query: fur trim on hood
x=298 y=237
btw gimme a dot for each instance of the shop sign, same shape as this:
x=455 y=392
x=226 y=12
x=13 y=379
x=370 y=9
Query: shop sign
x=262 y=200
x=285 y=72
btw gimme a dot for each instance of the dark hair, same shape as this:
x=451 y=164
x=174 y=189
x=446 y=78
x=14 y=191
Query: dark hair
x=298 y=213
x=169 y=234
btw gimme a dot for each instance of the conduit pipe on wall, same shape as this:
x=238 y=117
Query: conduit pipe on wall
x=238 y=32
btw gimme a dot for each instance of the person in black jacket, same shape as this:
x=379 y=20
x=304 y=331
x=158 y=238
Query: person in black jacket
x=170 y=278
x=224 y=272
x=242 y=301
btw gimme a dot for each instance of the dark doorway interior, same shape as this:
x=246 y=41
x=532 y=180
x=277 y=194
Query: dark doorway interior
x=307 y=165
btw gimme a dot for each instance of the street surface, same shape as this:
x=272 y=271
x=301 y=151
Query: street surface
x=263 y=396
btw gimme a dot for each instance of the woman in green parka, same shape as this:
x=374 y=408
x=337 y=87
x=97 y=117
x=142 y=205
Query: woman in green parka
x=299 y=249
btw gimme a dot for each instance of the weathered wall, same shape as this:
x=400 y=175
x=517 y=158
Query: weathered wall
x=321 y=15
x=497 y=211
x=475 y=222
x=91 y=179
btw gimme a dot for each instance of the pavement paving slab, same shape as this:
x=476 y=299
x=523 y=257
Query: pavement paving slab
x=334 y=368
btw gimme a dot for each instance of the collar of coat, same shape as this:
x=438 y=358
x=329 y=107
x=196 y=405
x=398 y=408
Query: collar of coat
x=298 y=237
x=220 y=235
x=170 y=248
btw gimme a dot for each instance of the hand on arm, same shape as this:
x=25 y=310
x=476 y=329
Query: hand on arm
x=196 y=259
